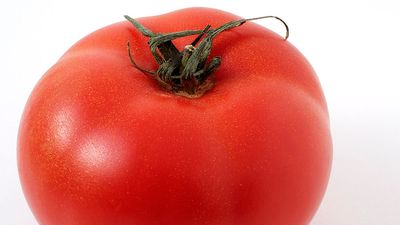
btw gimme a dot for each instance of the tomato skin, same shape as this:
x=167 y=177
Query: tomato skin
x=100 y=143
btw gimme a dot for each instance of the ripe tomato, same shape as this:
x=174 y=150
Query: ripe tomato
x=100 y=143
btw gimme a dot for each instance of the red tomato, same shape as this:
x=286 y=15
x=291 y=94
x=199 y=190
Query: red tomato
x=101 y=143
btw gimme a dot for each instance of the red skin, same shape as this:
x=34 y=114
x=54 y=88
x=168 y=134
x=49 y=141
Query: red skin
x=101 y=143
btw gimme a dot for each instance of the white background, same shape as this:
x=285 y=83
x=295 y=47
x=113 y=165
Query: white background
x=353 y=46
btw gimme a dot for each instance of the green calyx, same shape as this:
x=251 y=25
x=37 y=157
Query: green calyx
x=186 y=72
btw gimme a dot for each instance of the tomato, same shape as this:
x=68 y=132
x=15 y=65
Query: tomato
x=102 y=143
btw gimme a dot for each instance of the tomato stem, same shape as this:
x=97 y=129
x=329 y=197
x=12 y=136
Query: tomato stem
x=186 y=72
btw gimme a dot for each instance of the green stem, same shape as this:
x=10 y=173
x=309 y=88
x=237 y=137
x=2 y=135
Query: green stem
x=185 y=72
